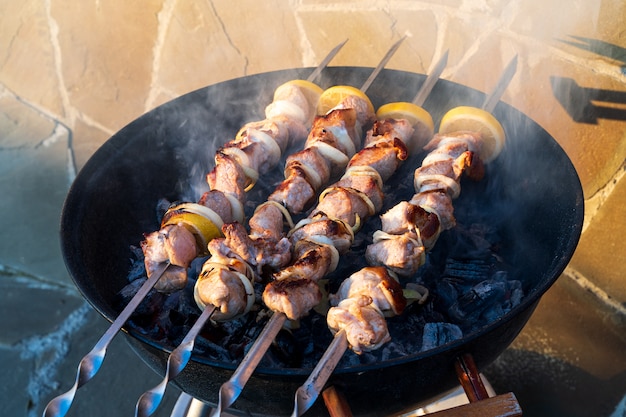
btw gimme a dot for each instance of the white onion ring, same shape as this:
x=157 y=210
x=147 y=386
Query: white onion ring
x=344 y=139
x=286 y=108
x=364 y=170
x=236 y=207
x=203 y=211
x=270 y=144
x=282 y=209
x=326 y=241
x=330 y=152
x=434 y=157
x=450 y=184
x=312 y=176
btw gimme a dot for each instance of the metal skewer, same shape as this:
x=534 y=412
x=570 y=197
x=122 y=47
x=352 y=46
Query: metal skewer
x=231 y=389
x=307 y=393
x=507 y=75
x=90 y=363
x=176 y=362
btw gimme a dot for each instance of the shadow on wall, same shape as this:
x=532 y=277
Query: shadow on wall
x=585 y=104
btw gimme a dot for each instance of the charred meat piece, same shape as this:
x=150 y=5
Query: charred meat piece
x=292 y=296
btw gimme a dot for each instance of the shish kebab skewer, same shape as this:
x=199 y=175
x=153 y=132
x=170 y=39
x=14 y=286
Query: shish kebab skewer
x=226 y=276
x=204 y=228
x=361 y=186
x=364 y=299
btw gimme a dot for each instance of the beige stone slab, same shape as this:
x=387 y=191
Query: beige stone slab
x=22 y=126
x=370 y=35
x=27 y=62
x=595 y=140
x=601 y=252
x=107 y=49
x=85 y=141
x=266 y=33
x=196 y=51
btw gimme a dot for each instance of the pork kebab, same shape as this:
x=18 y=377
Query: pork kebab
x=224 y=289
x=468 y=138
x=329 y=230
x=187 y=228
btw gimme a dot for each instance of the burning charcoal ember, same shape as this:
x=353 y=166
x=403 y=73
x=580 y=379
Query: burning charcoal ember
x=471 y=304
x=437 y=334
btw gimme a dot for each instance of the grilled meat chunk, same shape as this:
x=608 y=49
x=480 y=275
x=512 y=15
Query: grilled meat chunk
x=363 y=323
x=292 y=296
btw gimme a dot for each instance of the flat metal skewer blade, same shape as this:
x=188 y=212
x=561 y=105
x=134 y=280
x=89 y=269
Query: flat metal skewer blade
x=90 y=363
x=431 y=80
x=382 y=64
x=317 y=71
x=231 y=389
x=308 y=392
x=506 y=77
x=176 y=362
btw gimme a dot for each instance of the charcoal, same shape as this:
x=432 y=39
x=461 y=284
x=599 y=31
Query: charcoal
x=437 y=334
x=471 y=304
x=137 y=267
x=466 y=271
x=286 y=348
x=150 y=305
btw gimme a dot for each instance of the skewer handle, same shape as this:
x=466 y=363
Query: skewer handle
x=90 y=363
x=230 y=390
x=310 y=390
x=176 y=362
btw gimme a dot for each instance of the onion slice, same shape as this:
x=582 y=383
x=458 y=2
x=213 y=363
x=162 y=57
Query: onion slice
x=269 y=143
x=282 y=209
x=344 y=139
x=207 y=268
x=330 y=152
x=451 y=185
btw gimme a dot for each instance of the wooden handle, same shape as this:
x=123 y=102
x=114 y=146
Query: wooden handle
x=470 y=379
x=336 y=403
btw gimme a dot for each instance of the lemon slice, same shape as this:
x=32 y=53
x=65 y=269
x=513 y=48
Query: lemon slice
x=332 y=96
x=201 y=221
x=311 y=91
x=476 y=120
x=419 y=118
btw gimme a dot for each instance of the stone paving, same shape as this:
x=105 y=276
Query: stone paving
x=74 y=73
